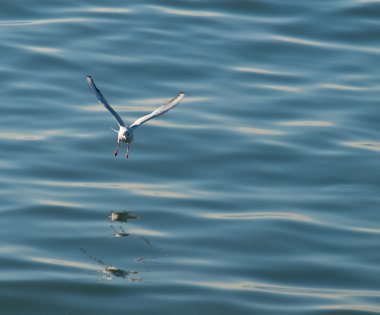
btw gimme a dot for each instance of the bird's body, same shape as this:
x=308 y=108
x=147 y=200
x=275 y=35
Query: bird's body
x=125 y=132
x=124 y=135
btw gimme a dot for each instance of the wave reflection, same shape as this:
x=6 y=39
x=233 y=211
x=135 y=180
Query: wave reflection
x=43 y=21
x=341 y=87
x=260 y=216
x=259 y=131
x=305 y=123
x=64 y=263
x=109 y=10
x=320 y=44
x=188 y=12
x=43 y=135
x=364 y=145
x=281 y=88
x=286 y=290
x=153 y=190
x=263 y=71
x=43 y=50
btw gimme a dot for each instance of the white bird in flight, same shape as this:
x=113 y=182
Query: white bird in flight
x=125 y=133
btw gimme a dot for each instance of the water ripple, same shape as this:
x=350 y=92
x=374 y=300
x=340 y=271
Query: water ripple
x=306 y=123
x=191 y=13
x=152 y=190
x=64 y=263
x=371 y=308
x=281 y=88
x=43 y=50
x=323 y=293
x=327 y=45
x=45 y=21
x=259 y=194
x=109 y=10
x=43 y=135
x=260 y=216
x=259 y=131
x=265 y=71
x=364 y=145
x=341 y=87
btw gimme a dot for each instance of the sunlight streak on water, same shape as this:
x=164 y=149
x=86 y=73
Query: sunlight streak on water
x=190 y=13
x=264 y=71
x=371 y=308
x=43 y=50
x=64 y=263
x=45 y=21
x=330 y=294
x=281 y=88
x=321 y=44
x=60 y=203
x=260 y=216
x=109 y=10
x=147 y=232
x=365 y=145
x=31 y=136
x=300 y=41
x=341 y=87
x=152 y=190
x=306 y=123
x=363 y=229
x=43 y=135
x=259 y=131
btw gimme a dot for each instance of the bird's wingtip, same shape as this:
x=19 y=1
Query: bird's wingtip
x=89 y=80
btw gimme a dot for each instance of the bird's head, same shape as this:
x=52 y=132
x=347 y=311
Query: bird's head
x=126 y=135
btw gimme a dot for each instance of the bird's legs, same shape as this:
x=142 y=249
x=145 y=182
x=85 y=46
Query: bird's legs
x=117 y=148
x=126 y=154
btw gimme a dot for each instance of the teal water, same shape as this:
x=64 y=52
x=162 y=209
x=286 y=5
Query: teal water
x=259 y=194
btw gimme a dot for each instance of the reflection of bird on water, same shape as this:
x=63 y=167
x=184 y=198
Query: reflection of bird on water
x=117 y=272
x=120 y=233
x=121 y=216
x=124 y=217
x=112 y=270
x=125 y=133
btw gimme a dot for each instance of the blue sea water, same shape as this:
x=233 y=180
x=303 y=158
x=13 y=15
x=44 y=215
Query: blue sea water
x=258 y=194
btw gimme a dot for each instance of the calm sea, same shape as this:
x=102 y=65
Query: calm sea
x=258 y=194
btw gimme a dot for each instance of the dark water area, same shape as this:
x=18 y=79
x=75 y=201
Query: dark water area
x=258 y=194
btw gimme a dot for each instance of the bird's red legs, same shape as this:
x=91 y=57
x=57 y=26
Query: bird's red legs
x=127 y=152
x=117 y=149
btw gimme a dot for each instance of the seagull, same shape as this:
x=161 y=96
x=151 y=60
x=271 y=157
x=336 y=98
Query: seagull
x=125 y=133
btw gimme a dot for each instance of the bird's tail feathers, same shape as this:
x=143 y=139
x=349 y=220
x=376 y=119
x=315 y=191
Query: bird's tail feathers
x=114 y=130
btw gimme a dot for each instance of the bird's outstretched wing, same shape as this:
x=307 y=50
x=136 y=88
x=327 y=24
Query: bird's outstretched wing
x=162 y=109
x=103 y=101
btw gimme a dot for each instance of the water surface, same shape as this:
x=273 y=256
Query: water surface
x=259 y=194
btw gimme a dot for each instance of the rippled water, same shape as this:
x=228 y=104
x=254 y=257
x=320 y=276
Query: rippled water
x=259 y=194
